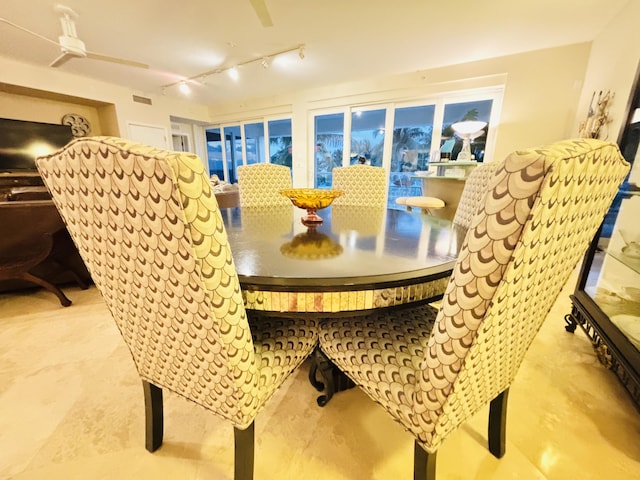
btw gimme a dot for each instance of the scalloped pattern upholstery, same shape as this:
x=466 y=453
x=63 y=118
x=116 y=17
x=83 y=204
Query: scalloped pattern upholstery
x=475 y=187
x=433 y=369
x=148 y=227
x=260 y=183
x=362 y=185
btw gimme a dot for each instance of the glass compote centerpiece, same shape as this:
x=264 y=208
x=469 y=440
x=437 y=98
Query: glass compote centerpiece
x=312 y=200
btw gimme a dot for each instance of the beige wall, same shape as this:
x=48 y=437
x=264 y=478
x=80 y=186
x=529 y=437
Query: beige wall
x=117 y=100
x=541 y=92
x=24 y=107
x=612 y=65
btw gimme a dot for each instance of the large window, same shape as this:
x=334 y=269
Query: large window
x=214 y=152
x=254 y=143
x=244 y=144
x=329 y=147
x=280 y=139
x=410 y=150
x=233 y=151
x=367 y=136
x=450 y=144
x=422 y=134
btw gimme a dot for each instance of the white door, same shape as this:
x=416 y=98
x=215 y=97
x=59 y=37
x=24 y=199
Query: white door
x=148 y=135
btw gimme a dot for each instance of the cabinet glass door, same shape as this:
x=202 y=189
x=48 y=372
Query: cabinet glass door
x=614 y=278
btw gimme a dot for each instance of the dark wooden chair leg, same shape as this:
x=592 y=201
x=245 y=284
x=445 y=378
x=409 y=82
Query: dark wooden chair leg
x=498 y=424
x=154 y=422
x=424 y=463
x=64 y=301
x=244 y=445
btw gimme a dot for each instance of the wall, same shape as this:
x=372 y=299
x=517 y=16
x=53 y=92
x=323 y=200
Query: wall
x=110 y=106
x=612 y=66
x=23 y=106
x=542 y=89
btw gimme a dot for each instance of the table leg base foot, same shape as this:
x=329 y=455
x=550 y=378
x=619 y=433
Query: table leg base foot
x=335 y=380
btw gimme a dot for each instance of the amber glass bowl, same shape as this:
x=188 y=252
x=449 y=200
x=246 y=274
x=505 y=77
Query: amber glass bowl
x=312 y=200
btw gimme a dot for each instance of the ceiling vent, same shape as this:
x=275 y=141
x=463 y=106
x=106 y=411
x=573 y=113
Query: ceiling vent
x=139 y=99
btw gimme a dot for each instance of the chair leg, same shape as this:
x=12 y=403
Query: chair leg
x=154 y=422
x=64 y=301
x=244 y=445
x=498 y=424
x=424 y=463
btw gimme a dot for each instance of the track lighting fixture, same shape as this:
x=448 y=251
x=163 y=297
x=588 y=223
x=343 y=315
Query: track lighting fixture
x=232 y=71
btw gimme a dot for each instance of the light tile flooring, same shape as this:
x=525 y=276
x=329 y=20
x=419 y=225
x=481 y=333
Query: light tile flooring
x=71 y=407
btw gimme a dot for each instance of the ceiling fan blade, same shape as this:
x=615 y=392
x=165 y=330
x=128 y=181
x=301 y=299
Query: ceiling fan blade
x=261 y=11
x=61 y=59
x=121 y=61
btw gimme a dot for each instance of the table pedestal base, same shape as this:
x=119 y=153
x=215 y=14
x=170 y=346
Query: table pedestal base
x=334 y=379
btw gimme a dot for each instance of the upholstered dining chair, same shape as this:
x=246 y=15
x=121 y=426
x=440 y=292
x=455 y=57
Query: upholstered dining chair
x=362 y=185
x=260 y=183
x=431 y=370
x=148 y=227
x=475 y=187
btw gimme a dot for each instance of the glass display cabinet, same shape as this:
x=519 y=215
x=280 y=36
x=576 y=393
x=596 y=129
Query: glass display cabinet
x=606 y=301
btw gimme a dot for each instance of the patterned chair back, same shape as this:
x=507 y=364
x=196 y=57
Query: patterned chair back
x=472 y=195
x=363 y=185
x=260 y=183
x=542 y=208
x=149 y=230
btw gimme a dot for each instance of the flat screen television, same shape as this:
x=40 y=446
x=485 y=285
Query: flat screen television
x=22 y=141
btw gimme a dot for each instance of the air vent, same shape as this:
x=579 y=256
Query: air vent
x=139 y=99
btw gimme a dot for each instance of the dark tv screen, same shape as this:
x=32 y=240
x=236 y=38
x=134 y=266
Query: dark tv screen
x=21 y=142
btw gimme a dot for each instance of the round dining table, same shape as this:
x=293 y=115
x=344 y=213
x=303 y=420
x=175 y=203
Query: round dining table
x=357 y=260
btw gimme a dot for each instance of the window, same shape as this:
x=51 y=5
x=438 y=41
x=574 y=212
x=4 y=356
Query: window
x=280 y=139
x=367 y=136
x=254 y=143
x=214 y=152
x=245 y=144
x=329 y=145
x=450 y=144
x=233 y=152
x=412 y=135
x=422 y=134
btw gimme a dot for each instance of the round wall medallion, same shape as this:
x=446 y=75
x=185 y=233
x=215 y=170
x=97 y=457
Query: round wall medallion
x=80 y=126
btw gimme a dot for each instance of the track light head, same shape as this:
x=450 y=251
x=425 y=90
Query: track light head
x=184 y=88
x=233 y=73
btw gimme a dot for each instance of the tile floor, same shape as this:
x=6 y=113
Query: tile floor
x=71 y=407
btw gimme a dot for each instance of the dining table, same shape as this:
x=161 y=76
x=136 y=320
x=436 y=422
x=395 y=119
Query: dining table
x=358 y=260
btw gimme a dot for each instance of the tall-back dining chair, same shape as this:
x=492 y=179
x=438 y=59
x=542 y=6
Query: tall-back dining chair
x=148 y=227
x=471 y=199
x=259 y=184
x=431 y=370
x=475 y=186
x=363 y=185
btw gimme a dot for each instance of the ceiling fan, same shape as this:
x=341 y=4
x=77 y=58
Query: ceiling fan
x=262 y=12
x=70 y=45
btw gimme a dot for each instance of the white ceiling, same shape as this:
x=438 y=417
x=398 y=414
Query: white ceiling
x=344 y=39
